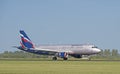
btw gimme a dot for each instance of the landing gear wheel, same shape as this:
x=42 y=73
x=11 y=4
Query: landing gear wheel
x=54 y=58
x=65 y=58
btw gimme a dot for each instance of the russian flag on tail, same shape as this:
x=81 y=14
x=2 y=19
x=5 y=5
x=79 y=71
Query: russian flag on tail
x=25 y=40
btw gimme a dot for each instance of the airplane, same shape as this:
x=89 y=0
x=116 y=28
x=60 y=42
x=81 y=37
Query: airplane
x=62 y=51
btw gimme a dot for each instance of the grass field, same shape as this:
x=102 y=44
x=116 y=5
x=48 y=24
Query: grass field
x=59 y=67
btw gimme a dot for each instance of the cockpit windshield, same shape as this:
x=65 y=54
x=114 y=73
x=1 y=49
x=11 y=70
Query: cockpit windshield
x=94 y=47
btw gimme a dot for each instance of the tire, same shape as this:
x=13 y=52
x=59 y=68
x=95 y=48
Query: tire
x=54 y=58
x=65 y=58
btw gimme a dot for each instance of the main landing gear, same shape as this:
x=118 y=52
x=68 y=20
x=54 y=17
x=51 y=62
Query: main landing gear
x=65 y=58
x=55 y=58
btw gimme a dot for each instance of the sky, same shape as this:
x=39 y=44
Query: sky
x=60 y=22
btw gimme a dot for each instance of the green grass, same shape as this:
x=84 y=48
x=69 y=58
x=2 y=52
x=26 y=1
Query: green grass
x=59 y=67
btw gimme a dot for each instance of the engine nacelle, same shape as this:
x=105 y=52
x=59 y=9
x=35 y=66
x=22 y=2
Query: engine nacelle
x=63 y=55
x=76 y=55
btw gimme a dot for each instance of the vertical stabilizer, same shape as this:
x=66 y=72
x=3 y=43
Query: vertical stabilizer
x=25 y=40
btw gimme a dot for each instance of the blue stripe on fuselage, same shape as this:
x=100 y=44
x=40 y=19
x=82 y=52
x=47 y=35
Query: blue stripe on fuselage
x=36 y=51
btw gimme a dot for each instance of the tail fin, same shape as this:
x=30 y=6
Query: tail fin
x=25 y=40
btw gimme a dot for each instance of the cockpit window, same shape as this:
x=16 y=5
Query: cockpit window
x=95 y=47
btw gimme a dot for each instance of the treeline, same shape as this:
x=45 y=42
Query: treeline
x=107 y=53
x=19 y=54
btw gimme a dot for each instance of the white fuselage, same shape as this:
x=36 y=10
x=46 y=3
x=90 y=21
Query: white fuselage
x=72 y=49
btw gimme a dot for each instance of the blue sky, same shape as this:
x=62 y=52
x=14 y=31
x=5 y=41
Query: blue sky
x=60 y=22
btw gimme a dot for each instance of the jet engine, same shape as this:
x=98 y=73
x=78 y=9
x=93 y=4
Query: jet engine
x=63 y=55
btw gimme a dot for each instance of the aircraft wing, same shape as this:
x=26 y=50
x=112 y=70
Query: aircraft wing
x=53 y=50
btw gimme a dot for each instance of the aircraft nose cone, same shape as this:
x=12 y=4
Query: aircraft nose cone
x=98 y=50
